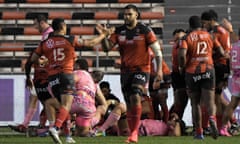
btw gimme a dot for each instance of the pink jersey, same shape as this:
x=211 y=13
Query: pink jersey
x=235 y=66
x=46 y=32
x=84 y=100
x=151 y=127
x=235 y=56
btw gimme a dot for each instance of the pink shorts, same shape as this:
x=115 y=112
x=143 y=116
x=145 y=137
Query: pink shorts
x=235 y=84
x=84 y=107
x=83 y=122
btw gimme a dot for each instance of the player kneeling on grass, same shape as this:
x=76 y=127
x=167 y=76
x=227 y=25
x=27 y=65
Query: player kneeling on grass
x=87 y=114
x=148 y=127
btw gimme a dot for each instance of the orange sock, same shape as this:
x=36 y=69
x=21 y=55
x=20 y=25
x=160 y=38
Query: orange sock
x=165 y=113
x=205 y=117
x=136 y=115
x=129 y=120
x=199 y=131
x=61 y=117
x=67 y=126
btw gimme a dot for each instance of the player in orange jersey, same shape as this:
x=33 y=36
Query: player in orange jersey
x=221 y=64
x=195 y=56
x=178 y=79
x=59 y=49
x=134 y=39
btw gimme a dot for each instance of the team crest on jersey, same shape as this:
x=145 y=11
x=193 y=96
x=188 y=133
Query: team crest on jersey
x=50 y=43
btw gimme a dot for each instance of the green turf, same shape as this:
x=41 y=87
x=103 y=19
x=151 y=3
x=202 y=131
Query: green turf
x=120 y=140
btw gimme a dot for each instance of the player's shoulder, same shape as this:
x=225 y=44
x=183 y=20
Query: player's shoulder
x=219 y=29
x=144 y=27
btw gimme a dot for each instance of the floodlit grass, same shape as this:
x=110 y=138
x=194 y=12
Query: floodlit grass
x=120 y=140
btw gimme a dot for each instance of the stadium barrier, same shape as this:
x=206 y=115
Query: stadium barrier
x=74 y=30
x=103 y=62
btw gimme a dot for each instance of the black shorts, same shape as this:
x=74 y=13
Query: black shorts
x=42 y=91
x=222 y=73
x=136 y=78
x=178 y=80
x=196 y=82
x=62 y=84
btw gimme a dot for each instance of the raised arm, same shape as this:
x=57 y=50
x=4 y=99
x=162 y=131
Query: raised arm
x=228 y=26
x=103 y=33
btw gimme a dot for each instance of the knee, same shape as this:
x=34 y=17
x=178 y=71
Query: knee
x=122 y=107
x=135 y=94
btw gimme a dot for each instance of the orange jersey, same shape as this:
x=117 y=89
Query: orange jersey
x=199 y=45
x=223 y=37
x=40 y=72
x=165 y=68
x=60 y=52
x=175 y=57
x=133 y=47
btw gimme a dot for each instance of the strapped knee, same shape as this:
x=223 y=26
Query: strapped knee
x=136 y=90
x=123 y=116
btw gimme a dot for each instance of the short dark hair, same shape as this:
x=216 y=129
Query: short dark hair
x=178 y=30
x=209 y=15
x=82 y=64
x=57 y=24
x=104 y=84
x=41 y=17
x=97 y=75
x=194 y=22
x=134 y=7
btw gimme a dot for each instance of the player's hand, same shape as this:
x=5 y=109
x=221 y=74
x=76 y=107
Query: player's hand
x=29 y=83
x=156 y=84
x=227 y=25
x=43 y=61
x=181 y=70
x=102 y=29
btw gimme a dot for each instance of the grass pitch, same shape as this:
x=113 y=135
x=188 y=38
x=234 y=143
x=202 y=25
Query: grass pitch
x=21 y=139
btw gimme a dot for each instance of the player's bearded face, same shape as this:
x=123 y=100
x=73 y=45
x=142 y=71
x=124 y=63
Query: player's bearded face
x=130 y=16
x=206 y=25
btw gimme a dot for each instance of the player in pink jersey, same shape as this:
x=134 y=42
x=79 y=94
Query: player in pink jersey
x=39 y=91
x=234 y=56
x=83 y=104
x=147 y=127
x=235 y=85
x=40 y=23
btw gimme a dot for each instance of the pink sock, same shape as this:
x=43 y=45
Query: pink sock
x=29 y=116
x=94 y=121
x=112 y=118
